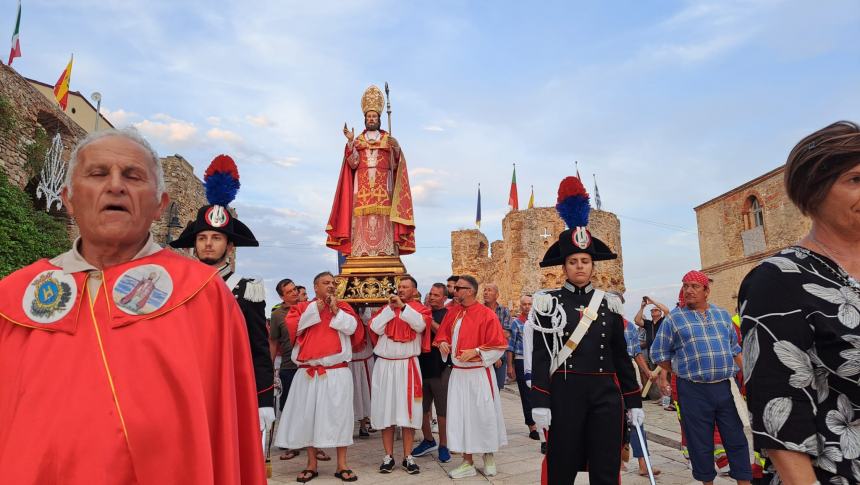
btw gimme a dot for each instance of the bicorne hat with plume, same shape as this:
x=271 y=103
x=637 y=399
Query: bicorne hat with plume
x=573 y=207
x=221 y=181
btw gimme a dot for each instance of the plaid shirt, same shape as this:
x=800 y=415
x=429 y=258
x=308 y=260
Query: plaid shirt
x=701 y=348
x=515 y=344
x=631 y=335
x=504 y=316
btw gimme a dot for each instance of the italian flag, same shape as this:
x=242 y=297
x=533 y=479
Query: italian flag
x=512 y=197
x=61 y=89
x=16 y=44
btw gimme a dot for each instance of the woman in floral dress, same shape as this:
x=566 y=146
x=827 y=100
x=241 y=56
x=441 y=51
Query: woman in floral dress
x=801 y=322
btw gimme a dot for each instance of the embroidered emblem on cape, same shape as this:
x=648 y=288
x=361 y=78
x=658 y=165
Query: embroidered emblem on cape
x=142 y=289
x=217 y=216
x=581 y=238
x=50 y=296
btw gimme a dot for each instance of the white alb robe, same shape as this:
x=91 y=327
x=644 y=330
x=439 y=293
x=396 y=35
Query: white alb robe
x=475 y=422
x=392 y=397
x=319 y=408
x=361 y=367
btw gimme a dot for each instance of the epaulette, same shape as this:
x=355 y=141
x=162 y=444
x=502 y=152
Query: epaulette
x=255 y=291
x=613 y=303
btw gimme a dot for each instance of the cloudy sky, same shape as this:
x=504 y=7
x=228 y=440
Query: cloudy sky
x=669 y=103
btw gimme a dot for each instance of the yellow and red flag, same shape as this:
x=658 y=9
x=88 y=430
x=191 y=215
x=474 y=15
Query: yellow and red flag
x=61 y=89
x=532 y=198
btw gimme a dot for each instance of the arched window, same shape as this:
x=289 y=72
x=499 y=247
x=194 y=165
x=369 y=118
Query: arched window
x=754 y=216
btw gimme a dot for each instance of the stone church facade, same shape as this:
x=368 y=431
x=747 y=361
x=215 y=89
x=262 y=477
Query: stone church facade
x=743 y=226
x=512 y=263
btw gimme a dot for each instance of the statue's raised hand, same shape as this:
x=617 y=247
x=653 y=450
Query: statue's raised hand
x=349 y=134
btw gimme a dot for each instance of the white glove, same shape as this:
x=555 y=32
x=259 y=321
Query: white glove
x=636 y=416
x=542 y=302
x=542 y=417
x=267 y=417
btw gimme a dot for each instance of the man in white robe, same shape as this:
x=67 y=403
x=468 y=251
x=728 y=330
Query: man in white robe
x=472 y=335
x=396 y=386
x=319 y=406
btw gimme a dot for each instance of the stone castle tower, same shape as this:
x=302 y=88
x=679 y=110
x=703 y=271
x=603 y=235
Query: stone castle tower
x=512 y=263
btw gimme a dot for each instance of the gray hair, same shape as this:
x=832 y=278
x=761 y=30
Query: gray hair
x=129 y=134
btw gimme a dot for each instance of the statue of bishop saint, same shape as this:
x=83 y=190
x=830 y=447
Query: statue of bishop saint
x=372 y=211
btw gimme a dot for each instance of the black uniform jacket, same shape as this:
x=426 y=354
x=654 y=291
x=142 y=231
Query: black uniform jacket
x=603 y=349
x=258 y=335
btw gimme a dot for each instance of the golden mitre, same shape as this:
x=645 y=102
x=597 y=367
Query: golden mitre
x=372 y=100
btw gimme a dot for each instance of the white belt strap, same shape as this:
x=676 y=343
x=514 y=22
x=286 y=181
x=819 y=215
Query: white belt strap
x=232 y=281
x=588 y=316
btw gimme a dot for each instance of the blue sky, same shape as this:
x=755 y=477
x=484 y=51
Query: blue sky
x=670 y=103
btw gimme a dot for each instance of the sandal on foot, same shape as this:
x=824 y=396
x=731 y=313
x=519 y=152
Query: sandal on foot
x=343 y=475
x=307 y=475
x=289 y=455
x=321 y=456
x=645 y=473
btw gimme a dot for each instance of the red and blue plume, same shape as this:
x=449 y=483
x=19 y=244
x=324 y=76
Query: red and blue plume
x=221 y=181
x=573 y=205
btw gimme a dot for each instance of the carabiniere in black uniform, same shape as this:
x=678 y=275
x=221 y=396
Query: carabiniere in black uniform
x=588 y=392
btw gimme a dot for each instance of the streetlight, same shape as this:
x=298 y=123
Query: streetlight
x=173 y=222
x=97 y=97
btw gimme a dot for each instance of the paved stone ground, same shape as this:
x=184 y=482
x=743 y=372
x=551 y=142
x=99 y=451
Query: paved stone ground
x=518 y=463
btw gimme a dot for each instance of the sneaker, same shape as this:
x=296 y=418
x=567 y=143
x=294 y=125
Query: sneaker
x=387 y=465
x=362 y=433
x=424 y=447
x=444 y=454
x=489 y=465
x=410 y=466
x=465 y=470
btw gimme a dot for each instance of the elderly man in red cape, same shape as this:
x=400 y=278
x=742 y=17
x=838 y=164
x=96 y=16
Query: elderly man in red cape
x=319 y=405
x=372 y=211
x=96 y=392
x=472 y=335
x=400 y=331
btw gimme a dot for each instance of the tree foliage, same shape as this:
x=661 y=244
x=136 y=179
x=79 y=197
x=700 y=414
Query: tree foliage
x=26 y=234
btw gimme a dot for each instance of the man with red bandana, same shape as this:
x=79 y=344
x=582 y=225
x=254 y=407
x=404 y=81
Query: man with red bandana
x=698 y=343
x=400 y=329
x=323 y=332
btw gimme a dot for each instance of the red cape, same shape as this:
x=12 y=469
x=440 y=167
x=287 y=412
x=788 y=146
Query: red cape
x=320 y=340
x=400 y=331
x=100 y=396
x=480 y=329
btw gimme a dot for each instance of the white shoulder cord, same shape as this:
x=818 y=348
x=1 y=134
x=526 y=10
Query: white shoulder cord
x=548 y=306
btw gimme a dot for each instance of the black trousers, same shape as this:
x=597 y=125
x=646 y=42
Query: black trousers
x=524 y=391
x=286 y=376
x=586 y=429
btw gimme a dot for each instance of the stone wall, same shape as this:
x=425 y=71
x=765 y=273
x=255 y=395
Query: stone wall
x=721 y=226
x=32 y=110
x=185 y=190
x=527 y=234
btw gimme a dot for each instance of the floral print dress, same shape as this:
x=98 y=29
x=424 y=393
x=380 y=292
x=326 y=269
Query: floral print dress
x=801 y=356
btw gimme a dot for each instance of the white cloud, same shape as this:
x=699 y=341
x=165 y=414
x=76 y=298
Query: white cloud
x=259 y=120
x=213 y=120
x=288 y=162
x=224 y=135
x=433 y=128
x=120 y=117
x=164 y=128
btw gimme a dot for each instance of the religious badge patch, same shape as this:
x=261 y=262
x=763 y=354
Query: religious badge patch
x=217 y=216
x=142 y=289
x=50 y=296
x=581 y=237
